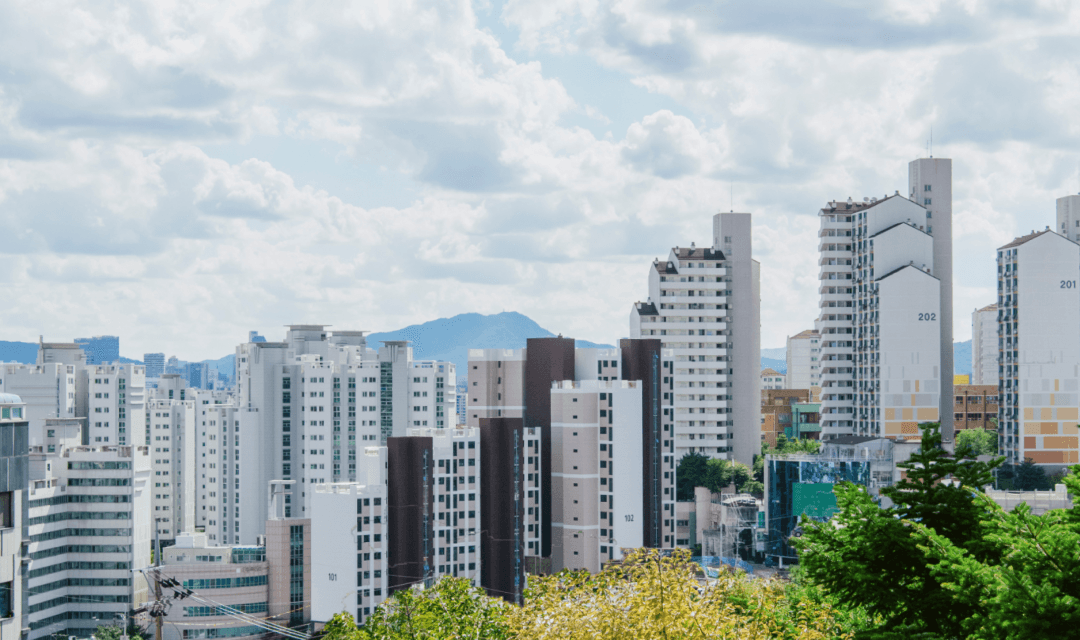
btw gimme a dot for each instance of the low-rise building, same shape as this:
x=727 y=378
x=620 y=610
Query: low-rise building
x=975 y=406
x=772 y=379
x=777 y=412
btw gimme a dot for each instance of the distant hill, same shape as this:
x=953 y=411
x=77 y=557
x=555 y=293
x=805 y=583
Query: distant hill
x=24 y=352
x=451 y=338
x=961 y=358
x=779 y=366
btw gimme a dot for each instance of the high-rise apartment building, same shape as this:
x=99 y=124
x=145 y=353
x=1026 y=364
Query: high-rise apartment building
x=883 y=310
x=1068 y=217
x=14 y=478
x=705 y=306
x=100 y=349
x=89 y=527
x=930 y=185
x=116 y=404
x=1039 y=349
x=803 y=354
x=172 y=443
x=984 y=346
x=155 y=365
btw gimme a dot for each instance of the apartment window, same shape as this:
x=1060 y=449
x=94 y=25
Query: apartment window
x=926 y=187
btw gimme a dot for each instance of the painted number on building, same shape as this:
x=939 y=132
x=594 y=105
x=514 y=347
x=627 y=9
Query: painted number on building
x=928 y=317
x=333 y=577
x=1068 y=284
x=629 y=518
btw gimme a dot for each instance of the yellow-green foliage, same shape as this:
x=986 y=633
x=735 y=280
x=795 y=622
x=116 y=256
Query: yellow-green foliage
x=655 y=596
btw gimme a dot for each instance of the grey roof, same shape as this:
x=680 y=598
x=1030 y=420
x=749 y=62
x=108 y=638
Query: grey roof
x=704 y=253
x=10 y=398
x=906 y=266
x=1029 y=237
x=899 y=224
x=647 y=309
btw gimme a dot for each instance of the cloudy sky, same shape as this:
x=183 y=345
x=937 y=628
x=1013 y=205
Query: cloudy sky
x=181 y=171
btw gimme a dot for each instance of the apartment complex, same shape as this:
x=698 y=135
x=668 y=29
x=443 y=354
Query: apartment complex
x=307 y=406
x=1039 y=349
x=975 y=406
x=14 y=476
x=984 y=346
x=116 y=404
x=506 y=384
x=704 y=305
x=803 y=355
x=882 y=323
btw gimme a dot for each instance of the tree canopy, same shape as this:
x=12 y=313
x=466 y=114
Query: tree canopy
x=697 y=470
x=981 y=441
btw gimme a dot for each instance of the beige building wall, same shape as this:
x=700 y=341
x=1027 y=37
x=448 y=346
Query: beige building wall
x=575 y=479
x=282 y=606
x=496 y=385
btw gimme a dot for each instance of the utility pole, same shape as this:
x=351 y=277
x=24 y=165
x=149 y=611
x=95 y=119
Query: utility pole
x=157 y=584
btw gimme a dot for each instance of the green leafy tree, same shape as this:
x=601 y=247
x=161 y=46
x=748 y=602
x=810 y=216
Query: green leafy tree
x=982 y=442
x=451 y=609
x=116 y=632
x=691 y=472
x=869 y=557
x=784 y=445
x=1033 y=590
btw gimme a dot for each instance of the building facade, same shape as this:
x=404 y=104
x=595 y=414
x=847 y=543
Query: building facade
x=984 y=346
x=803 y=354
x=772 y=379
x=1039 y=349
x=14 y=479
x=46 y=390
x=1068 y=217
x=704 y=305
x=89 y=526
x=975 y=406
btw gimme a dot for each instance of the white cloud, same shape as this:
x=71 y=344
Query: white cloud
x=121 y=214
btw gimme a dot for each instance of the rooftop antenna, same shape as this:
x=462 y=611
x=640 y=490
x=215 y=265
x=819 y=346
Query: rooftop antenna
x=931 y=141
x=731 y=185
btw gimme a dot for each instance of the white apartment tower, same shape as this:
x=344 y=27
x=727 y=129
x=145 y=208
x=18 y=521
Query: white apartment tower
x=885 y=331
x=47 y=390
x=984 y=345
x=803 y=355
x=930 y=185
x=1068 y=217
x=880 y=346
x=705 y=306
x=1039 y=358
x=597 y=481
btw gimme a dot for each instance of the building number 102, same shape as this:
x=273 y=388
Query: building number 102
x=928 y=317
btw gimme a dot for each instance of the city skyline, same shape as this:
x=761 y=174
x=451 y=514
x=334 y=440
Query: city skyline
x=170 y=170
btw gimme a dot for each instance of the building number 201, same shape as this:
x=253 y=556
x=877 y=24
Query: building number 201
x=928 y=317
x=1068 y=284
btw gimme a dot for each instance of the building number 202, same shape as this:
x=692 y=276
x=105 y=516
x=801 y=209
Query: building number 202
x=1068 y=284
x=928 y=317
